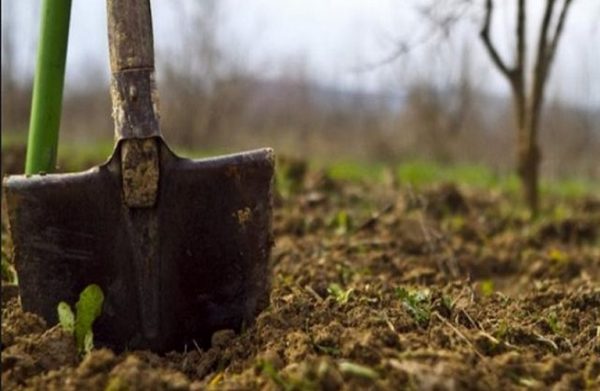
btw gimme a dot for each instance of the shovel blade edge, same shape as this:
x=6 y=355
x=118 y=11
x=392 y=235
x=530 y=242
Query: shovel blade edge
x=195 y=263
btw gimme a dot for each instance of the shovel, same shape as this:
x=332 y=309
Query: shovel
x=180 y=247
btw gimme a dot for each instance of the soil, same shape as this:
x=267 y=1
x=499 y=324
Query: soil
x=381 y=287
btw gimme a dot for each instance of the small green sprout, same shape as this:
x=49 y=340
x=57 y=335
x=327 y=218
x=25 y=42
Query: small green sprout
x=341 y=296
x=552 y=322
x=66 y=317
x=417 y=303
x=558 y=256
x=447 y=303
x=487 y=287
x=455 y=223
x=342 y=223
x=88 y=309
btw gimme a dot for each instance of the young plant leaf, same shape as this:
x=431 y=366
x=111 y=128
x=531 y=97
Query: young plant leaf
x=89 y=307
x=417 y=303
x=487 y=287
x=340 y=295
x=66 y=317
x=342 y=223
x=88 y=342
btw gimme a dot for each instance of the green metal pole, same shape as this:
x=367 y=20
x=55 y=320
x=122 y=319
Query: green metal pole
x=48 y=84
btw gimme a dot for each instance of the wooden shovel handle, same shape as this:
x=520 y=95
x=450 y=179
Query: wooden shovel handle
x=133 y=89
x=130 y=35
x=134 y=99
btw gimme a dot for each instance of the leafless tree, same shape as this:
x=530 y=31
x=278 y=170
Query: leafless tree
x=440 y=115
x=528 y=92
x=528 y=84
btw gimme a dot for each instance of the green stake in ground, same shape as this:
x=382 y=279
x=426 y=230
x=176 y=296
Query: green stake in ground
x=48 y=87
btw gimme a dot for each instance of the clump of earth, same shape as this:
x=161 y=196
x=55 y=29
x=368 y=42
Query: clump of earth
x=376 y=286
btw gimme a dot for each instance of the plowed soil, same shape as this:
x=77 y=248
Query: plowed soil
x=381 y=287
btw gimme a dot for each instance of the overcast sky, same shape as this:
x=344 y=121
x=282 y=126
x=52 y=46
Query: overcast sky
x=335 y=40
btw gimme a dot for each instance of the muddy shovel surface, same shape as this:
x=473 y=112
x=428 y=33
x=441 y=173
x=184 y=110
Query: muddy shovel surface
x=180 y=247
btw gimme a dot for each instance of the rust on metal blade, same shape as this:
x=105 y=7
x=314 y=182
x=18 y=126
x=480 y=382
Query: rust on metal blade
x=173 y=274
x=140 y=172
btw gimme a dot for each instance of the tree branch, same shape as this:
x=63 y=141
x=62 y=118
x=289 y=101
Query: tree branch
x=543 y=43
x=558 y=30
x=521 y=36
x=542 y=61
x=485 y=37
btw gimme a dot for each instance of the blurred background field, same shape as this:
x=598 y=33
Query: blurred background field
x=370 y=90
x=416 y=173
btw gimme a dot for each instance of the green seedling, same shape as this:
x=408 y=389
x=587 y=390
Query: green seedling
x=66 y=318
x=552 y=322
x=487 y=287
x=558 y=256
x=342 y=223
x=417 y=303
x=447 y=302
x=88 y=309
x=341 y=296
x=454 y=223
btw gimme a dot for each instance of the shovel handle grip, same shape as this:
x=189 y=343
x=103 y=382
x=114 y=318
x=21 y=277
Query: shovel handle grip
x=133 y=89
x=130 y=35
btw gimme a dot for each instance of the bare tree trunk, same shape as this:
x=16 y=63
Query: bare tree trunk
x=528 y=165
x=528 y=101
x=528 y=151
